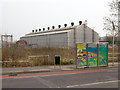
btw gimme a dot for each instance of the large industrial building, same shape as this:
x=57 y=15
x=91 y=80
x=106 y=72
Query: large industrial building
x=61 y=37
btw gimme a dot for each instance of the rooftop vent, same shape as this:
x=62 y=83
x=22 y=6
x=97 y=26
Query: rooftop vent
x=85 y=22
x=32 y=30
x=48 y=28
x=65 y=25
x=43 y=29
x=53 y=27
x=36 y=30
x=80 y=22
x=39 y=29
x=72 y=23
x=59 y=26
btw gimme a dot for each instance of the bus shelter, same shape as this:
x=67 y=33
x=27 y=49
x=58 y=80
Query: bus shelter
x=92 y=54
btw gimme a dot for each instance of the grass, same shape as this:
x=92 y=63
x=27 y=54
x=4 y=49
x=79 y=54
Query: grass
x=15 y=55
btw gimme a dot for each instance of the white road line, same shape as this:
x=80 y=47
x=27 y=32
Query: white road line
x=92 y=84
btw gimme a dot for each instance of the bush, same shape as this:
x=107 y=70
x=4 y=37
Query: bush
x=67 y=62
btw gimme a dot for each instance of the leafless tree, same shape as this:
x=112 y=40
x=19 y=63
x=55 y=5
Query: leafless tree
x=112 y=18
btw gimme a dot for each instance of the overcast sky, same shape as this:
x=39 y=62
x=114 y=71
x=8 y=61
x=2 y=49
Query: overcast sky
x=20 y=17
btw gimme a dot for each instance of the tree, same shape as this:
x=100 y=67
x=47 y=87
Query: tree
x=112 y=18
x=110 y=40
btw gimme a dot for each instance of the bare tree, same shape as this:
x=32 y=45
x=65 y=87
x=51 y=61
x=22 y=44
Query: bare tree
x=112 y=18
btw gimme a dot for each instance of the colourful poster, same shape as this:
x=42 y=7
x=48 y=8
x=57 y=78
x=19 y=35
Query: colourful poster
x=92 y=55
x=81 y=55
x=102 y=55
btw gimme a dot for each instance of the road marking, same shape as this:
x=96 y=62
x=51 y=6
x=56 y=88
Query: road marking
x=92 y=84
x=54 y=74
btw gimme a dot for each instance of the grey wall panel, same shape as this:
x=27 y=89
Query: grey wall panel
x=96 y=37
x=88 y=34
x=42 y=41
x=79 y=34
x=52 y=40
x=71 y=38
x=58 y=40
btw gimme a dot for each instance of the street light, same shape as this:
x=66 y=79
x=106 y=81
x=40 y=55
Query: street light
x=113 y=43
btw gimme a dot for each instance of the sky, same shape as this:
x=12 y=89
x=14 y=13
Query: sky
x=20 y=17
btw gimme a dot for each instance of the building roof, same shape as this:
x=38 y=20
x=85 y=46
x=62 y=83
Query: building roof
x=52 y=31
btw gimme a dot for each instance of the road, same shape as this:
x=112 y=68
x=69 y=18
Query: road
x=100 y=78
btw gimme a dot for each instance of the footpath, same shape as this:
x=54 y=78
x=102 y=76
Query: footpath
x=36 y=69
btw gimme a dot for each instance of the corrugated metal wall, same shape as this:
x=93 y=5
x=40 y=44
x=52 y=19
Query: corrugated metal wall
x=79 y=34
x=52 y=40
x=58 y=40
x=88 y=34
x=71 y=38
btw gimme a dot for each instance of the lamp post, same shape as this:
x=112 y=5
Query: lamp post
x=113 y=44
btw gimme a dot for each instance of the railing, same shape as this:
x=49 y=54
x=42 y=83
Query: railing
x=114 y=56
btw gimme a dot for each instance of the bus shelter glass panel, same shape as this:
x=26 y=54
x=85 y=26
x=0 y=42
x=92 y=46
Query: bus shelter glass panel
x=102 y=54
x=92 y=54
x=81 y=55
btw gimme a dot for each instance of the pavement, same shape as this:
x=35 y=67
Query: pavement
x=52 y=68
x=99 y=78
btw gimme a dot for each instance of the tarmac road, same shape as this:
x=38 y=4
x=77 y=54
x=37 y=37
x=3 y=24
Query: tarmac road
x=103 y=78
